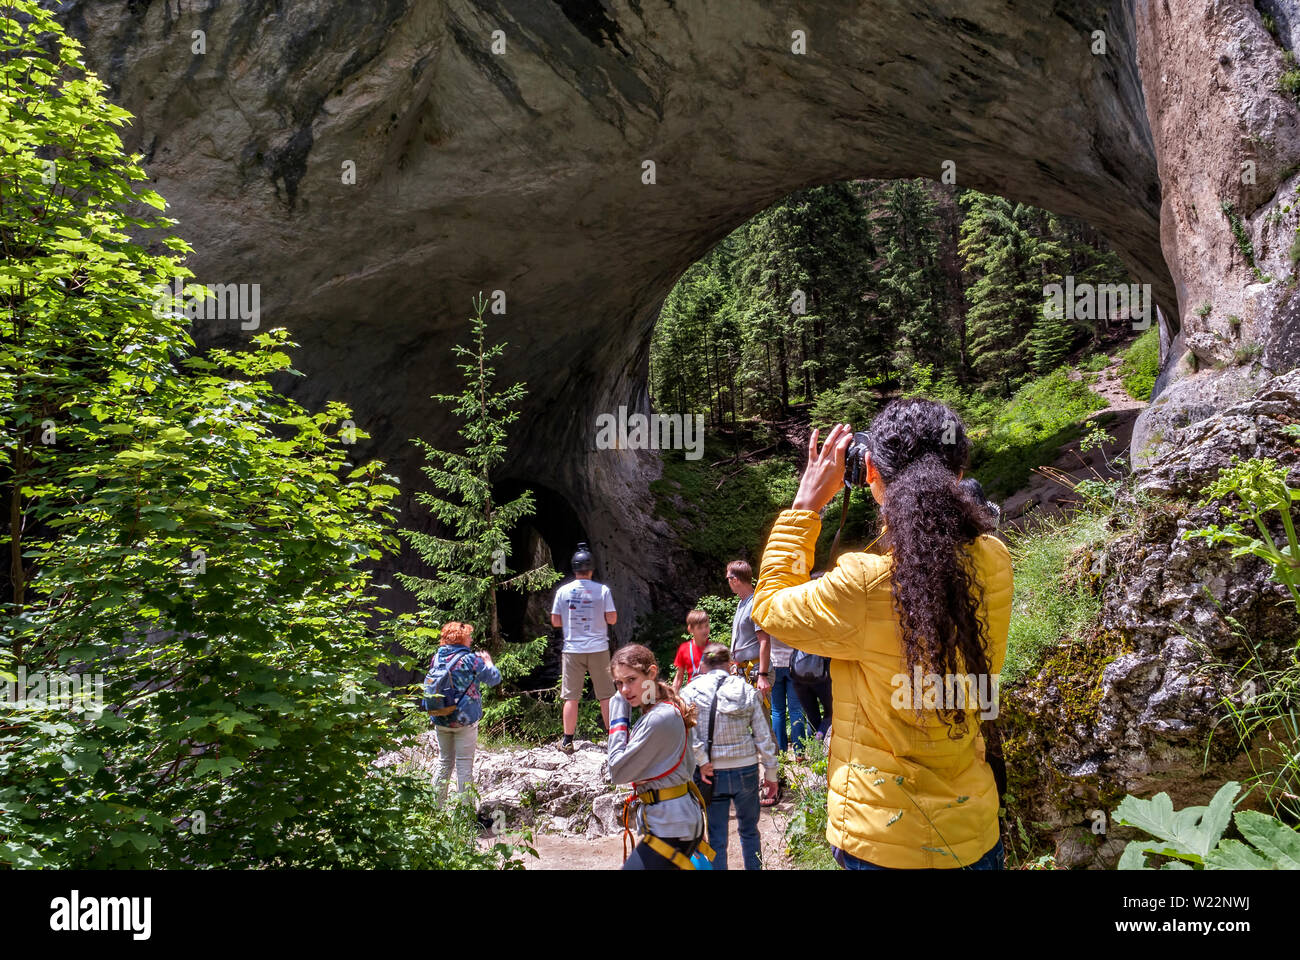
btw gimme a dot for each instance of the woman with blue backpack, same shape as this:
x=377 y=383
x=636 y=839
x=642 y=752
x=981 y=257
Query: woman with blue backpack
x=455 y=703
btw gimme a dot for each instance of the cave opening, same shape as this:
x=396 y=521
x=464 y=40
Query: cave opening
x=549 y=536
x=864 y=281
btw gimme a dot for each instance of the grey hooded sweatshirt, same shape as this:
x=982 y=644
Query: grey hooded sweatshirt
x=742 y=734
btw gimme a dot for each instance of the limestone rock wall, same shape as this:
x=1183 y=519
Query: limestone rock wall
x=522 y=171
x=1227 y=144
x=1132 y=709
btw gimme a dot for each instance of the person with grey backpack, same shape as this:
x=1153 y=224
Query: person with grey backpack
x=731 y=738
x=810 y=676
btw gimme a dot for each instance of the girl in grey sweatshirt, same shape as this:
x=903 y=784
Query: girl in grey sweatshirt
x=655 y=754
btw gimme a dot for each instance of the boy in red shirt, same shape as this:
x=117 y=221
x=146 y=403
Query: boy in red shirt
x=690 y=653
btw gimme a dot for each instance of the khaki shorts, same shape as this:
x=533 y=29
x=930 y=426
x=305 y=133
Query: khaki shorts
x=576 y=666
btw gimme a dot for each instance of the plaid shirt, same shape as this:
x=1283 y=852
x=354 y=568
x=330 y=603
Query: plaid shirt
x=743 y=736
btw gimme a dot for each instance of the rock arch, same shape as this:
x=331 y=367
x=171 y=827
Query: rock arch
x=522 y=171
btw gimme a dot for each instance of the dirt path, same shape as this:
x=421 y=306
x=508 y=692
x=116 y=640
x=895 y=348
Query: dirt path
x=1110 y=386
x=1045 y=496
x=566 y=852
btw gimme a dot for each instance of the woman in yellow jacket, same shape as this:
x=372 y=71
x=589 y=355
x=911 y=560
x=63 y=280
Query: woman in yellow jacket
x=908 y=783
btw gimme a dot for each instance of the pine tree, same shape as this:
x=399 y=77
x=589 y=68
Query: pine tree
x=1052 y=336
x=471 y=562
x=997 y=249
x=815 y=243
x=912 y=286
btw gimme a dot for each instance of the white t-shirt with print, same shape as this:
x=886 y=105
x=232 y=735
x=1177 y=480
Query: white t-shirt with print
x=582 y=605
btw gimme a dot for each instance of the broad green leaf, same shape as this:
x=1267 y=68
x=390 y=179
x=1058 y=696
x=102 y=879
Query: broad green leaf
x=1274 y=839
x=1193 y=830
x=222 y=765
x=1235 y=855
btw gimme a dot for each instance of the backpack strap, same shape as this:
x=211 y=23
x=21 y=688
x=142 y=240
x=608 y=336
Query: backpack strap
x=713 y=712
x=451 y=665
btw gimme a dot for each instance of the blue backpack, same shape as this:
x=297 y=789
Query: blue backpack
x=440 y=687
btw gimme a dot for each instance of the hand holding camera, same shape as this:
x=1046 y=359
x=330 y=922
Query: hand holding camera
x=824 y=475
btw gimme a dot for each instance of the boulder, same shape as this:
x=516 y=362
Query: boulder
x=548 y=790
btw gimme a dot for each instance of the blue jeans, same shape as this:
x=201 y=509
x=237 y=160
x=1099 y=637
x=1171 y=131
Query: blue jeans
x=785 y=706
x=990 y=861
x=739 y=786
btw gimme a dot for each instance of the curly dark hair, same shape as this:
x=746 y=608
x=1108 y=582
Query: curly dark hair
x=920 y=447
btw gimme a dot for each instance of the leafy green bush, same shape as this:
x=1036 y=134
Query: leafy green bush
x=447 y=836
x=186 y=545
x=1252 y=491
x=1256 y=489
x=721 y=611
x=1140 y=365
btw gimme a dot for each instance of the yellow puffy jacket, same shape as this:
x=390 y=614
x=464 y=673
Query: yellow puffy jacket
x=901 y=793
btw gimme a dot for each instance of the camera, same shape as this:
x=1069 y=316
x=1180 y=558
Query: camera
x=855 y=461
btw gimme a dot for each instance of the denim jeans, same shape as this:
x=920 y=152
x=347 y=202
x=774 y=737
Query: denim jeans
x=990 y=861
x=785 y=706
x=739 y=786
x=455 y=747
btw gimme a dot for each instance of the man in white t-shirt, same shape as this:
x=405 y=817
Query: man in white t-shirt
x=585 y=611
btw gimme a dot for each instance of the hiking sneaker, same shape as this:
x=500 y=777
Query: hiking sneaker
x=565 y=746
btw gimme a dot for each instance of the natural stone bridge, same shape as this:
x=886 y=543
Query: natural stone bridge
x=502 y=145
